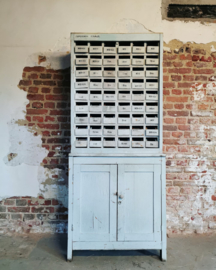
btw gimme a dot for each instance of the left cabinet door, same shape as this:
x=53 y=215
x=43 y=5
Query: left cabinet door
x=95 y=203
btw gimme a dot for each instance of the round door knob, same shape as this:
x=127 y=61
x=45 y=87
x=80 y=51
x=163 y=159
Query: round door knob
x=120 y=197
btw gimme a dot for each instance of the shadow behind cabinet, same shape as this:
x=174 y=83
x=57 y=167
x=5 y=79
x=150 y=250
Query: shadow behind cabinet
x=116 y=190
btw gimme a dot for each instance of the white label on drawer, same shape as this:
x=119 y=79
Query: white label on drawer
x=109 y=108
x=81 y=143
x=152 y=85
x=109 y=132
x=109 y=62
x=109 y=120
x=81 y=108
x=151 y=73
x=137 y=108
x=150 y=120
x=94 y=85
x=138 y=73
x=124 y=62
x=82 y=61
x=124 y=73
x=137 y=144
x=94 y=132
x=124 y=85
x=124 y=108
x=151 y=108
x=109 y=73
x=81 y=120
x=81 y=84
x=109 y=97
x=124 y=96
x=81 y=49
x=138 y=62
x=95 y=49
x=152 y=61
x=153 y=132
x=95 y=97
x=138 y=85
x=81 y=96
x=109 y=85
x=138 y=120
x=138 y=97
x=81 y=73
x=123 y=143
x=151 y=97
x=124 y=132
x=95 y=143
x=152 y=49
x=109 y=49
x=137 y=132
x=95 y=120
x=95 y=73
x=138 y=49
x=81 y=131
x=109 y=143
x=95 y=108
x=122 y=49
x=122 y=120
x=151 y=144
x=96 y=62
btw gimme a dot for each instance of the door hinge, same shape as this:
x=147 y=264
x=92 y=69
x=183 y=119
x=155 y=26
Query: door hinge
x=71 y=227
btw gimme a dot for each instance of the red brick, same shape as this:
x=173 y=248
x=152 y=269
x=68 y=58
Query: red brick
x=189 y=64
x=47 y=83
x=170 y=128
x=170 y=141
x=203 y=71
x=185 y=190
x=171 y=149
x=166 y=134
x=168 y=106
x=45 y=90
x=33 y=90
x=56 y=97
x=34 y=69
x=28 y=118
x=168 y=120
x=201 y=78
x=177 y=134
x=49 y=126
x=188 y=78
x=58 y=90
x=206 y=59
x=49 y=105
x=49 y=119
x=184 y=85
x=57 y=140
x=167 y=64
x=177 y=99
x=177 y=64
x=56 y=133
x=169 y=57
x=203 y=106
x=37 y=105
x=58 y=77
x=180 y=120
x=25 y=83
x=57 y=147
x=182 y=148
x=62 y=119
x=46 y=133
x=179 y=106
x=33 y=76
x=178 y=113
x=59 y=112
x=199 y=51
x=173 y=190
x=176 y=78
x=185 y=57
x=169 y=85
x=166 y=92
x=45 y=146
x=55 y=202
x=165 y=78
x=37 y=111
x=176 y=91
x=35 y=97
x=195 y=58
x=18 y=209
x=184 y=127
x=38 y=118
x=213 y=198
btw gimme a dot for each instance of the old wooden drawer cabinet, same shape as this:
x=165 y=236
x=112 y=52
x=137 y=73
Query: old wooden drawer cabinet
x=116 y=165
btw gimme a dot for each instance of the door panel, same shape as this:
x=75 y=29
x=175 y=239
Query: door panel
x=139 y=203
x=95 y=202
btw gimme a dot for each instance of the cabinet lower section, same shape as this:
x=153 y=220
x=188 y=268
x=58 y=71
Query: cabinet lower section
x=117 y=203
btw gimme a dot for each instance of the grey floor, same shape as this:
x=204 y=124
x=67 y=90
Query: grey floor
x=49 y=252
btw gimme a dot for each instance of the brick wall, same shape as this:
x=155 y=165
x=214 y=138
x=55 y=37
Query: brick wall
x=189 y=142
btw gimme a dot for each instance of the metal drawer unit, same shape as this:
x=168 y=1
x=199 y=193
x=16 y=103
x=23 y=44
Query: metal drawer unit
x=116 y=82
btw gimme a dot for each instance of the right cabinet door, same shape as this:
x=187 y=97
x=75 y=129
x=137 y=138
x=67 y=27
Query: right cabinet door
x=139 y=202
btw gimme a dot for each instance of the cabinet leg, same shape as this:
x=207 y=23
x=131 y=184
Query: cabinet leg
x=163 y=255
x=69 y=251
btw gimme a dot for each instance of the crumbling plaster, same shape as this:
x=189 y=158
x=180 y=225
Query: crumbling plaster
x=29 y=29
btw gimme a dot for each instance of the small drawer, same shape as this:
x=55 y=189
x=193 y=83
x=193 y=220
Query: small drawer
x=152 y=49
x=95 y=120
x=95 y=49
x=123 y=131
x=136 y=143
x=138 y=73
x=137 y=108
x=109 y=143
x=124 y=62
x=95 y=85
x=123 y=143
x=95 y=131
x=109 y=50
x=136 y=131
x=152 y=132
x=108 y=85
x=109 y=119
x=151 y=120
x=95 y=73
x=125 y=96
x=109 y=62
x=138 y=96
x=109 y=131
x=124 y=119
x=81 y=61
x=79 y=85
x=138 y=49
x=108 y=108
x=81 y=108
x=138 y=85
x=109 y=73
x=81 y=131
x=138 y=62
x=151 y=85
x=137 y=119
x=151 y=73
x=96 y=62
x=151 y=96
x=81 y=143
x=151 y=144
x=81 y=95
x=124 y=49
x=151 y=108
x=95 y=97
x=124 y=108
x=95 y=108
x=152 y=61
x=122 y=73
x=109 y=96
x=81 y=49
x=81 y=120
x=81 y=73
x=95 y=144
x=124 y=85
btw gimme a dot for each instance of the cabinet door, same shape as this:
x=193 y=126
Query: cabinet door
x=139 y=203
x=95 y=203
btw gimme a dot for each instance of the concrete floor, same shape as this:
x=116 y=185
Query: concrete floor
x=31 y=252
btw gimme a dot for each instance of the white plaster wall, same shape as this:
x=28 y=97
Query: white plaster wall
x=29 y=28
